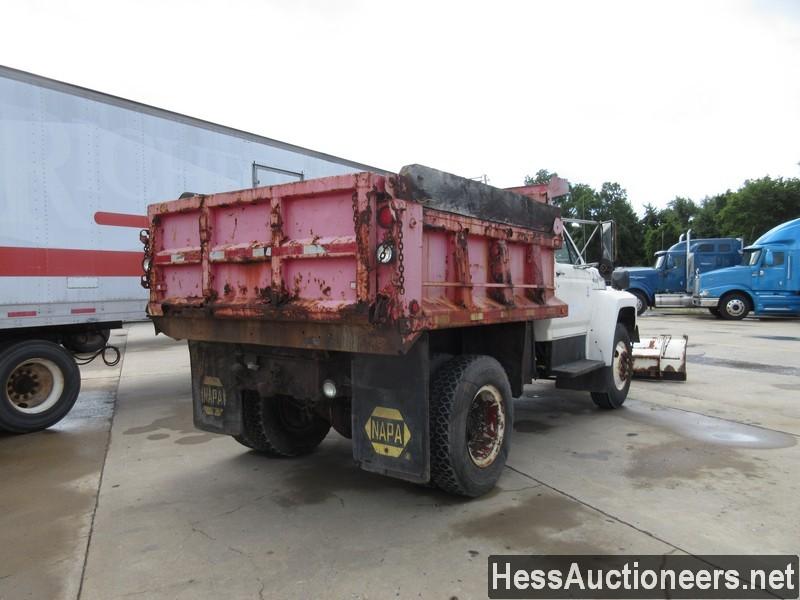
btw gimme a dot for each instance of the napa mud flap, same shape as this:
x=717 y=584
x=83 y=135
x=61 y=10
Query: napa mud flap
x=217 y=405
x=390 y=413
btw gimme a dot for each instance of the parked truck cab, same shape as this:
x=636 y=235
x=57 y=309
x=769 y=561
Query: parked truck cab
x=765 y=283
x=670 y=281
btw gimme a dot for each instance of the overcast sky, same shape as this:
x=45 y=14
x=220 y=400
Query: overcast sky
x=667 y=98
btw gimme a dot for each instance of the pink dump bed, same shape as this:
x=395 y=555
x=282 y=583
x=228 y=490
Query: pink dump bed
x=312 y=251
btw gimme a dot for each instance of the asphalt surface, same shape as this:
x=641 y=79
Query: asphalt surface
x=125 y=499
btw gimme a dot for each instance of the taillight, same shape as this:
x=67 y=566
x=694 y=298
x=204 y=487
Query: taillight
x=385 y=216
x=385 y=253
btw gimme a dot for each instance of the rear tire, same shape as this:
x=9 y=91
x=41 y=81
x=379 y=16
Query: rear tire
x=40 y=384
x=618 y=375
x=641 y=302
x=734 y=306
x=280 y=427
x=472 y=417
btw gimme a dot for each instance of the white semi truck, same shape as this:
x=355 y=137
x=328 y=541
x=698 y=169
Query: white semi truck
x=77 y=170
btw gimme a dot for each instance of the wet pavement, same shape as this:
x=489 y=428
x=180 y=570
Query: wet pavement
x=706 y=466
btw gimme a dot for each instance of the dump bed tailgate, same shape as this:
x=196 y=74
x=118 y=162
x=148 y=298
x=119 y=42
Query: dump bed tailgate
x=246 y=253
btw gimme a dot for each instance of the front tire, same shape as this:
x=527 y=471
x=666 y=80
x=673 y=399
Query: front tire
x=618 y=376
x=734 y=306
x=641 y=302
x=280 y=426
x=715 y=311
x=40 y=384
x=472 y=417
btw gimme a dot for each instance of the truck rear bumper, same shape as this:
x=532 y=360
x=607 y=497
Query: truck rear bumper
x=705 y=302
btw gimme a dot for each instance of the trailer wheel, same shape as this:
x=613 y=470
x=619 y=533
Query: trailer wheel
x=641 y=301
x=734 y=306
x=280 y=426
x=618 y=375
x=472 y=417
x=40 y=383
x=87 y=341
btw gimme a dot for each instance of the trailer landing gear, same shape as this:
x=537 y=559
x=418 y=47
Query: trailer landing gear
x=40 y=383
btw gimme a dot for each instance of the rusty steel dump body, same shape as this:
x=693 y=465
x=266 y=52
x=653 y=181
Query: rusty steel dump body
x=296 y=265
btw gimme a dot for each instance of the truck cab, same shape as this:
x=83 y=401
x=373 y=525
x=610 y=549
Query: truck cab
x=670 y=281
x=765 y=283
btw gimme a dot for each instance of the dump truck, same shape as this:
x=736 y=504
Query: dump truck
x=404 y=311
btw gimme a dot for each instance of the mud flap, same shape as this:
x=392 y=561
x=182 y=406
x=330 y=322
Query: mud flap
x=390 y=413
x=216 y=399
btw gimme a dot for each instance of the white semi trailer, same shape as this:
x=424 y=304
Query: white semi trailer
x=77 y=170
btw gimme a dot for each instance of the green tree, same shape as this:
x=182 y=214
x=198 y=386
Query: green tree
x=759 y=205
x=542 y=176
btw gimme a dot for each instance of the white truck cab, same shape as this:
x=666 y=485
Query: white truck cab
x=591 y=347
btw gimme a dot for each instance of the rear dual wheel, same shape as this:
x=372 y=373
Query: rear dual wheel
x=280 y=426
x=472 y=416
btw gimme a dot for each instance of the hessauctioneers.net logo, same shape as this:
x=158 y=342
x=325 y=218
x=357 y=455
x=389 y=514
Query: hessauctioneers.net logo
x=647 y=576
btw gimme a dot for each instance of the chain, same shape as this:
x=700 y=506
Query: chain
x=355 y=213
x=147 y=262
x=401 y=280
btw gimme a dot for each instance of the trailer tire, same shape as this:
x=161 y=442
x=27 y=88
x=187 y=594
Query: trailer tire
x=465 y=392
x=734 y=306
x=641 y=301
x=40 y=384
x=618 y=375
x=276 y=427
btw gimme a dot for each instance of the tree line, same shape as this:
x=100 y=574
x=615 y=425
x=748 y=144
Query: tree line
x=757 y=206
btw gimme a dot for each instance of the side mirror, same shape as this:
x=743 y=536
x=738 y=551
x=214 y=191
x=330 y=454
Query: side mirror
x=769 y=258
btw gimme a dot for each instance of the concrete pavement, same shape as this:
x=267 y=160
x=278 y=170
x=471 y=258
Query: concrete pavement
x=706 y=466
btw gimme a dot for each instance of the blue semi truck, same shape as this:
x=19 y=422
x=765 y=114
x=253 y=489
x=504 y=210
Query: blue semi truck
x=766 y=282
x=670 y=282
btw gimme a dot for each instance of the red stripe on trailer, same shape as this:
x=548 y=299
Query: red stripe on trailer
x=59 y=262
x=121 y=220
x=21 y=313
x=83 y=311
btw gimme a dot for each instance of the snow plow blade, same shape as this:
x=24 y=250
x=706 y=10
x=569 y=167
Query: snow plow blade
x=660 y=357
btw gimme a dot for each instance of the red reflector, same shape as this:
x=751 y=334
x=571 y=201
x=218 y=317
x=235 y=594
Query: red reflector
x=22 y=313
x=83 y=311
x=385 y=216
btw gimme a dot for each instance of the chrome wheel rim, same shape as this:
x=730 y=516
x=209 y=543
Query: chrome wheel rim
x=486 y=426
x=735 y=307
x=34 y=386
